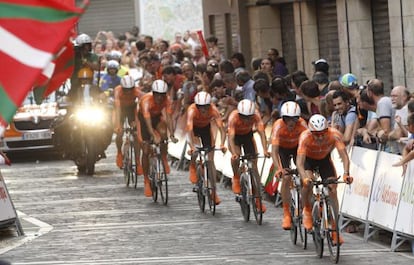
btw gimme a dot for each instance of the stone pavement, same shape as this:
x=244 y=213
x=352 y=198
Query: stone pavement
x=72 y=219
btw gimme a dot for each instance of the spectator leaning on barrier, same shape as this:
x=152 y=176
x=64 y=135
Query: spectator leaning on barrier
x=385 y=113
x=399 y=98
x=345 y=117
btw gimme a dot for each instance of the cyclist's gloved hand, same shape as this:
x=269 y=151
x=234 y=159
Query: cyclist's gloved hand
x=267 y=154
x=234 y=157
x=173 y=139
x=348 y=179
x=279 y=173
x=190 y=151
x=223 y=149
x=307 y=182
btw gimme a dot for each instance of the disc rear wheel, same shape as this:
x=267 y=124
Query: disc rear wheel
x=244 y=199
x=317 y=237
x=257 y=199
x=200 y=193
x=333 y=246
x=163 y=184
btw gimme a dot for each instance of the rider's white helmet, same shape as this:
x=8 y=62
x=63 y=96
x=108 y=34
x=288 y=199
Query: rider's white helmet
x=290 y=109
x=202 y=98
x=127 y=82
x=317 y=123
x=82 y=39
x=112 y=64
x=159 y=86
x=114 y=55
x=246 y=107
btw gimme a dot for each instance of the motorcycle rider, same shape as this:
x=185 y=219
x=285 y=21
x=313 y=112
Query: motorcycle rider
x=84 y=58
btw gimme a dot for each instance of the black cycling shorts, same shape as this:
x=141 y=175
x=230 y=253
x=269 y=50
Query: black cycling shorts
x=145 y=134
x=325 y=165
x=247 y=142
x=205 y=134
x=285 y=154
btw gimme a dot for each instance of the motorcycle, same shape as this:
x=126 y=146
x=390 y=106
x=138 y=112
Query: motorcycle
x=85 y=131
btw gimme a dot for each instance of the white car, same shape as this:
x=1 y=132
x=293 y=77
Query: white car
x=30 y=128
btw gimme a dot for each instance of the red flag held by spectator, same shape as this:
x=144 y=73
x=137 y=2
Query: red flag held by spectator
x=203 y=43
x=32 y=32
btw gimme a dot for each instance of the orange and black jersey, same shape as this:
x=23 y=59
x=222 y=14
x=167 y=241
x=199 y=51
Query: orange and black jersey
x=282 y=137
x=318 y=150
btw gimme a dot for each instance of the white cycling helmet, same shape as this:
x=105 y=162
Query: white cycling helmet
x=317 y=123
x=82 y=39
x=246 y=107
x=112 y=64
x=202 y=98
x=127 y=82
x=114 y=55
x=290 y=109
x=159 y=86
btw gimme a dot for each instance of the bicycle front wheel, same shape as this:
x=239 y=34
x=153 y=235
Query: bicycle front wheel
x=317 y=237
x=133 y=166
x=153 y=179
x=200 y=190
x=211 y=189
x=244 y=198
x=126 y=163
x=256 y=198
x=301 y=229
x=163 y=183
x=294 y=217
x=332 y=237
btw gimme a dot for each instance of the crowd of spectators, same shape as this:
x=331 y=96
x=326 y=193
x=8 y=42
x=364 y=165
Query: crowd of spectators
x=359 y=110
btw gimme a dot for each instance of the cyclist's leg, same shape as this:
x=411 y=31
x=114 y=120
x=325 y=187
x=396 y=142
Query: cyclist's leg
x=249 y=148
x=328 y=171
x=118 y=139
x=285 y=155
x=208 y=139
x=235 y=165
x=310 y=165
x=145 y=155
x=161 y=128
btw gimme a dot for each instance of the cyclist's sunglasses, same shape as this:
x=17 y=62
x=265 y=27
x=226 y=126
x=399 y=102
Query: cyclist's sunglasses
x=245 y=117
x=158 y=94
x=287 y=118
x=320 y=133
x=204 y=107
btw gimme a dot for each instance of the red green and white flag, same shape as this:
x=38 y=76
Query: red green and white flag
x=31 y=33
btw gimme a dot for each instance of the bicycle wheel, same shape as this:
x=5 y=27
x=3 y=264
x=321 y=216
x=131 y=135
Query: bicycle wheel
x=163 y=183
x=132 y=167
x=294 y=216
x=333 y=247
x=317 y=237
x=153 y=178
x=126 y=162
x=200 y=192
x=211 y=189
x=256 y=199
x=301 y=229
x=244 y=199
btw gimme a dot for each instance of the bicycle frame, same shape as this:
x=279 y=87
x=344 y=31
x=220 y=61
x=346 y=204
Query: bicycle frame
x=205 y=188
x=157 y=175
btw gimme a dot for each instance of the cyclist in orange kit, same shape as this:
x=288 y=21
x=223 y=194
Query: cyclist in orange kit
x=285 y=138
x=314 y=151
x=240 y=133
x=200 y=114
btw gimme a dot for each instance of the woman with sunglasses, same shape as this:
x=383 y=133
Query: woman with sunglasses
x=314 y=151
x=285 y=138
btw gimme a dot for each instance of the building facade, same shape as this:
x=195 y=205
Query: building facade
x=370 y=38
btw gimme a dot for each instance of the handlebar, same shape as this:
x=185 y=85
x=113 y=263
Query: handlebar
x=326 y=182
x=206 y=149
x=250 y=157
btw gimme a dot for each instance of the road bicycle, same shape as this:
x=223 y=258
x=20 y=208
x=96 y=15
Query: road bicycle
x=128 y=153
x=325 y=218
x=206 y=185
x=157 y=174
x=250 y=189
x=296 y=208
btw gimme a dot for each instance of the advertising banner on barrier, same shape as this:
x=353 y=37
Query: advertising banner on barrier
x=7 y=211
x=356 y=197
x=405 y=215
x=386 y=189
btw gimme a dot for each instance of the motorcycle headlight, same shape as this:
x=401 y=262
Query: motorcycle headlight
x=90 y=116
